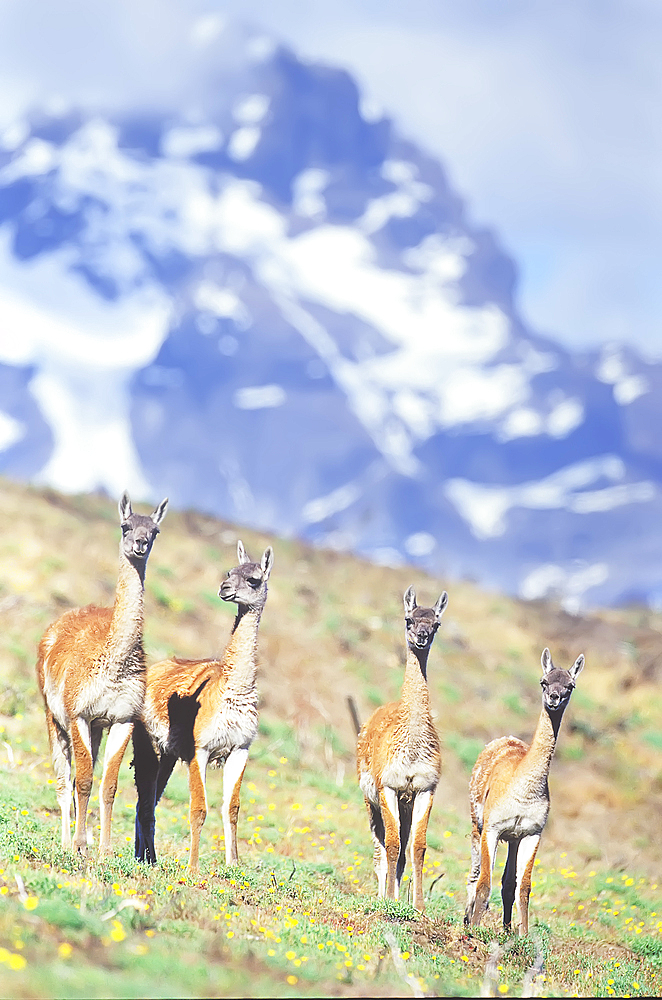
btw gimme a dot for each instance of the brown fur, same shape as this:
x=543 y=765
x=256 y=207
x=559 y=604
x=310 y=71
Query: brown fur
x=398 y=759
x=201 y=711
x=509 y=800
x=183 y=677
x=91 y=673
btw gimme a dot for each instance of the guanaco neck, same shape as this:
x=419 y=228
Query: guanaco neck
x=415 y=696
x=126 y=625
x=538 y=758
x=240 y=657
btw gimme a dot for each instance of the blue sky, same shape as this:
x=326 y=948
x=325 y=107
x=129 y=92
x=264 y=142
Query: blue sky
x=546 y=115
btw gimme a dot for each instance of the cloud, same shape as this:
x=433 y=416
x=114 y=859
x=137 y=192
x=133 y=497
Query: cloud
x=547 y=118
x=545 y=115
x=110 y=52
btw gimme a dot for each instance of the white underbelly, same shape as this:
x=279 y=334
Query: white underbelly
x=512 y=824
x=228 y=731
x=115 y=701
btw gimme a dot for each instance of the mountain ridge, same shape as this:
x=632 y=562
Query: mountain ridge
x=274 y=309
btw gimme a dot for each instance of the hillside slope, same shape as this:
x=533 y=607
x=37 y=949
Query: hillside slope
x=333 y=627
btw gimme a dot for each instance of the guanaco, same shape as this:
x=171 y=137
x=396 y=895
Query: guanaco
x=91 y=673
x=203 y=711
x=509 y=798
x=398 y=759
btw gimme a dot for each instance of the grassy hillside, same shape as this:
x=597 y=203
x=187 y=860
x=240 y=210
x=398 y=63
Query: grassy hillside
x=299 y=916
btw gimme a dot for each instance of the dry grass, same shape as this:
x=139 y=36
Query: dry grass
x=333 y=627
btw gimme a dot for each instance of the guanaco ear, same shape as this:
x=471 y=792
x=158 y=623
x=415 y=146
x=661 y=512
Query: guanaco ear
x=546 y=661
x=267 y=562
x=242 y=555
x=410 y=600
x=124 y=507
x=440 y=606
x=577 y=667
x=160 y=512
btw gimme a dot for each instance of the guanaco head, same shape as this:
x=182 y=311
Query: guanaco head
x=421 y=624
x=247 y=583
x=558 y=684
x=139 y=530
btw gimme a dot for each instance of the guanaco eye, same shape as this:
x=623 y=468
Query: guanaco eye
x=255 y=581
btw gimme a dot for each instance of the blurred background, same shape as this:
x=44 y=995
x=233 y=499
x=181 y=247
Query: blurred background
x=381 y=276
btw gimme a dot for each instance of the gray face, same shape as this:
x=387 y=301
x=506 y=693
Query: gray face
x=421 y=624
x=139 y=530
x=421 y=627
x=557 y=686
x=138 y=534
x=246 y=584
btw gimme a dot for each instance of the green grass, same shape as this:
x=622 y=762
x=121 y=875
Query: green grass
x=300 y=916
x=300 y=911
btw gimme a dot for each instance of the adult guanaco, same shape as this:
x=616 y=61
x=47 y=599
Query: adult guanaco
x=509 y=798
x=91 y=673
x=203 y=711
x=398 y=760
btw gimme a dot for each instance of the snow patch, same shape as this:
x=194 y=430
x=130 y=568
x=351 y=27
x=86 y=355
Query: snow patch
x=11 y=431
x=420 y=544
x=594 y=501
x=307 y=188
x=222 y=302
x=324 y=507
x=524 y=421
x=371 y=111
x=14 y=135
x=481 y=393
x=239 y=489
x=564 y=418
x=86 y=352
x=237 y=222
x=629 y=389
x=439 y=346
x=243 y=142
x=439 y=373
x=251 y=109
x=570 y=585
x=184 y=141
x=612 y=370
x=37 y=157
x=440 y=259
x=402 y=203
x=88 y=412
x=521 y=422
x=259 y=397
x=335 y=265
x=398 y=171
x=485 y=508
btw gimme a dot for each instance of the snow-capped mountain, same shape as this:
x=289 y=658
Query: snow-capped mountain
x=273 y=307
